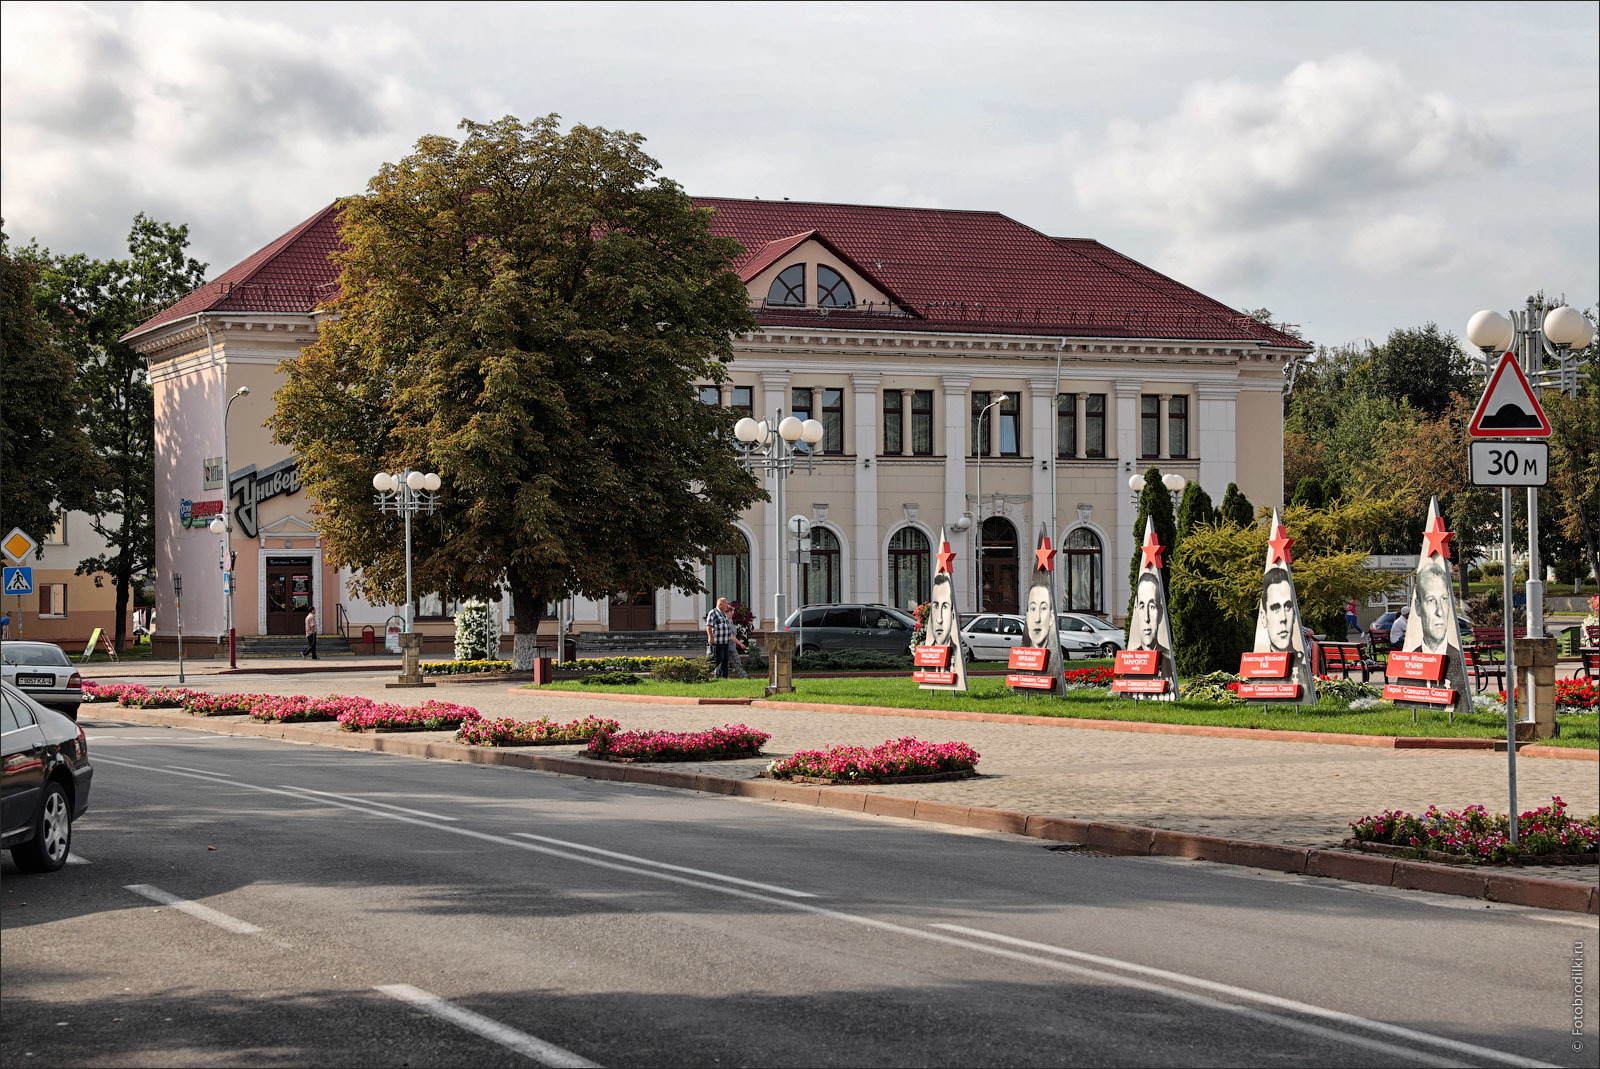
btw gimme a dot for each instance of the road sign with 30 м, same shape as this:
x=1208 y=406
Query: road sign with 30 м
x=1510 y=463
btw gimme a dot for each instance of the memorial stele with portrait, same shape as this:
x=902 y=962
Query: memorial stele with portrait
x=1147 y=668
x=1429 y=671
x=938 y=664
x=1278 y=668
x=1036 y=666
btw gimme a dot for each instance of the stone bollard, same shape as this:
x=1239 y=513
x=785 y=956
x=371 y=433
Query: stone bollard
x=780 y=650
x=411 y=663
x=1536 y=674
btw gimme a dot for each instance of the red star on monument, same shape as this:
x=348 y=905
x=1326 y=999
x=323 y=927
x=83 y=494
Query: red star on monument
x=1045 y=556
x=1281 y=543
x=1152 y=550
x=947 y=559
x=1438 y=538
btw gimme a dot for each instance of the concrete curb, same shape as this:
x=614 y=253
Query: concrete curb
x=1128 y=840
x=1324 y=738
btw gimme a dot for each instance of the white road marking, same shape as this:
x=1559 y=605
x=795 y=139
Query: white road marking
x=365 y=801
x=77 y=859
x=673 y=868
x=202 y=771
x=174 y=739
x=529 y=1046
x=1328 y=1035
x=1398 y=1031
x=194 y=909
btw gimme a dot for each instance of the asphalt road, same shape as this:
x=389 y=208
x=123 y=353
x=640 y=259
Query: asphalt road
x=248 y=902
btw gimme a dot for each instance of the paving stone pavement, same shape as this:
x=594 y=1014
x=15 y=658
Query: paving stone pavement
x=1303 y=794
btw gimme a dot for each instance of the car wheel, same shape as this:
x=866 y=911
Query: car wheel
x=52 y=835
x=807 y=648
x=1109 y=649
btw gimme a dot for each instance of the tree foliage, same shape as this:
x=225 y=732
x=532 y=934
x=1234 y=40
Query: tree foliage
x=1236 y=508
x=1155 y=502
x=91 y=304
x=48 y=463
x=1204 y=640
x=527 y=312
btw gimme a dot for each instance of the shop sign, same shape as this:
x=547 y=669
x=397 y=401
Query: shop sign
x=194 y=514
x=213 y=473
x=251 y=487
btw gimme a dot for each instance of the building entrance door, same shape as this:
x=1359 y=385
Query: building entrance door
x=999 y=566
x=288 y=593
x=633 y=612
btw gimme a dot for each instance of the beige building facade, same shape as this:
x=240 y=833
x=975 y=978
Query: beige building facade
x=66 y=607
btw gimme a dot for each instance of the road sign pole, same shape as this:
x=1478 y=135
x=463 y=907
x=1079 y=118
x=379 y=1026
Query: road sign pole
x=1511 y=670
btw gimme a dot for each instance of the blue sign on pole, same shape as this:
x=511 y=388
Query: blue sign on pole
x=19 y=581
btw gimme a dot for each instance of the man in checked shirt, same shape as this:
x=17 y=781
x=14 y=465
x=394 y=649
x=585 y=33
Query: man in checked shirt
x=719 y=634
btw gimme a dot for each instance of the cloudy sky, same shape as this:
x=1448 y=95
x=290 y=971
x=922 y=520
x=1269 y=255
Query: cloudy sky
x=1353 y=167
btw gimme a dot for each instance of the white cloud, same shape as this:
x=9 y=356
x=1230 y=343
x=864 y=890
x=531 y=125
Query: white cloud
x=1331 y=134
x=1403 y=241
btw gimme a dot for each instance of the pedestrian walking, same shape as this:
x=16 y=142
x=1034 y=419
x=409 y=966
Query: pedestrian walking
x=719 y=636
x=736 y=651
x=5 y=626
x=311 y=635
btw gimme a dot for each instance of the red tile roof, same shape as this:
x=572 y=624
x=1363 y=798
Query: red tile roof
x=944 y=270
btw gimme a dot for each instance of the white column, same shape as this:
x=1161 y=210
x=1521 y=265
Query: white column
x=1081 y=425
x=1163 y=446
x=1126 y=444
x=867 y=564
x=775 y=399
x=1214 y=436
x=957 y=435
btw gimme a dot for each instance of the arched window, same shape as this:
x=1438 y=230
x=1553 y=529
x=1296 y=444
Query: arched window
x=832 y=290
x=822 y=586
x=730 y=574
x=1084 y=586
x=909 y=569
x=789 y=287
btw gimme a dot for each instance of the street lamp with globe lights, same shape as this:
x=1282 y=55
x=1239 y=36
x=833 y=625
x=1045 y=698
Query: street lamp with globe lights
x=775 y=450
x=407 y=493
x=1175 y=484
x=222 y=526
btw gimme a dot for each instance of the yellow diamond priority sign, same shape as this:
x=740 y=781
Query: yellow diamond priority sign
x=18 y=545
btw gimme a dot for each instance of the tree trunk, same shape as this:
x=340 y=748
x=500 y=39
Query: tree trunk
x=527 y=610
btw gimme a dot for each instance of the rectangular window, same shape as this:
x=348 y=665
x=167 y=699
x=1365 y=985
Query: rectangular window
x=710 y=395
x=1010 y=417
x=894 y=442
x=800 y=409
x=743 y=399
x=435 y=607
x=1178 y=426
x=1067 y=425
x=922 y=422
x=833 y=421
x=1094 y=426
x=1149 y=426
x=52 y=599
x=57 y=535
x=980 y=424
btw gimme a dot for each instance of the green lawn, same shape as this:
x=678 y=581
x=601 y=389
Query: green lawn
x=991 y=695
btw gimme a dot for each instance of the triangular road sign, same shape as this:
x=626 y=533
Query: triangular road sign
x=1509 y=408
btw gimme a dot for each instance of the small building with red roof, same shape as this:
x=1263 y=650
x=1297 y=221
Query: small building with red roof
x=971 y=374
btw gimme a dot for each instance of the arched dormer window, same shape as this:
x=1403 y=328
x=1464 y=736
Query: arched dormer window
x=789 y=287
x=832 y=290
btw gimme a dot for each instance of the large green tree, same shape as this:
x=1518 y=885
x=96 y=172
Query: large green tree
x=1422 y=366
x=1155 y=502
x=47 y=462
x=91 y=304
x=1204 y=639
x=527 y=312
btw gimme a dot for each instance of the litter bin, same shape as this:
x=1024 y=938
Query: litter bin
x=543 y=670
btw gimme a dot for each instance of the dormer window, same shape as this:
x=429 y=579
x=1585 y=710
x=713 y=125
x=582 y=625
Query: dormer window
x=832 y=290
x=789 y=287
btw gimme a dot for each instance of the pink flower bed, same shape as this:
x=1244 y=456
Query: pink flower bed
x=728 y=740
x=1477 y=834
x=137 y=697
x=108 y=692
x=202 y=704
x=429 y=716
x=279 y=708
x=509 y=732
x=896 y=757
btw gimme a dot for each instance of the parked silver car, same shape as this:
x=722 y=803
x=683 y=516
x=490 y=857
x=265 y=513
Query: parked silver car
x=990 y=636
x=1089 y=636
x=42 y=671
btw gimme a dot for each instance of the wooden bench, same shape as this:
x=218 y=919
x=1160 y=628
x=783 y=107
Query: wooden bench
x=1588 y=663
x=1486 y=655
x=1344 y=658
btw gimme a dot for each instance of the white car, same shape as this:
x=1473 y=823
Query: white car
x=43 y=672
x=990 y=636
x=1089 y=636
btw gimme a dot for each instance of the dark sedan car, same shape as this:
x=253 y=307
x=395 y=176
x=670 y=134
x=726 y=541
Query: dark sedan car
x=46 y=781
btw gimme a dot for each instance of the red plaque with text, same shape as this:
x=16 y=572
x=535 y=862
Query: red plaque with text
x=1424 y=666
x=1137 y=662
x=1035 y=682
x=1399 y=692
x=1028 y=658
x=932 y=657
x=1139 y=686
x=947 y=679
x=1264 y=665
x=1269 y=690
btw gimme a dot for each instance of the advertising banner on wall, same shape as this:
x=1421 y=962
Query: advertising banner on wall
x=1279 y=668
x=938 y=662
x=1035 y=667
x=1147 y=669
x=1429 y=671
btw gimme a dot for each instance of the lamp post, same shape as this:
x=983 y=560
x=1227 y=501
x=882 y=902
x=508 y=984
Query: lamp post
x=223 y=526
x=177 y=603
x=407 y=493
x=769 y=446
x=1174 y=484
x=977 y=555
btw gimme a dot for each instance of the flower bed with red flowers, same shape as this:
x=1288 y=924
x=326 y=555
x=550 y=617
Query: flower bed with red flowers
x=198 y=703
x=108 y=692
x=730 y=740
x=137 y=697
x=1572 y=696
x=429 y=716
x=540 y=732
x=897 y=760
x=1098 y=676
x=280 y=708
x=1473 y=834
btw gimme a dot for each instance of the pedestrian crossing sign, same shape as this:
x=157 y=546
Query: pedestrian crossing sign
x=19 y=581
